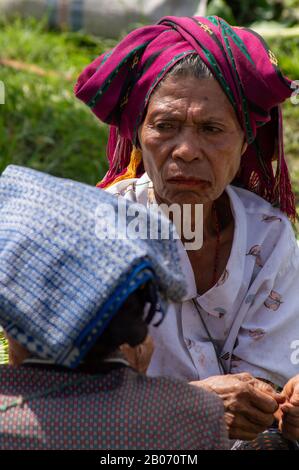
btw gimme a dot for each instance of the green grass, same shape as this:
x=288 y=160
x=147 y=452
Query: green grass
x=42 y=124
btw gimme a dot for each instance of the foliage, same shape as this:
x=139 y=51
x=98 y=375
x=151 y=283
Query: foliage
x=42 y=124
x=221 y=8
x=246 y=12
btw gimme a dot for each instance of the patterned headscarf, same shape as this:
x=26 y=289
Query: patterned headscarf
x=62 y=273
x=117 y=87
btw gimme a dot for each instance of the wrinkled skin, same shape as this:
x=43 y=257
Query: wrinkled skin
x=288 y=413
x=191 y=129
x=249 y=403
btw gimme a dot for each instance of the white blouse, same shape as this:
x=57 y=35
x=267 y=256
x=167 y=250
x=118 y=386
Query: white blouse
x=251 y=314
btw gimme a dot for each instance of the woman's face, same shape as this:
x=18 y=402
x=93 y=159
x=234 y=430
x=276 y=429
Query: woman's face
x=191 y=141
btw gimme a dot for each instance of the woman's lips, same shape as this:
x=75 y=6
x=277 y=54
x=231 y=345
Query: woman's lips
x=188 y=181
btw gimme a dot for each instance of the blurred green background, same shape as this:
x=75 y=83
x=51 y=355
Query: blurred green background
x=42 y=125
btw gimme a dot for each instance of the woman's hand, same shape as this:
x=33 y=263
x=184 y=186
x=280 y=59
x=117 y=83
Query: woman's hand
x=249 y=403
x=288 y=413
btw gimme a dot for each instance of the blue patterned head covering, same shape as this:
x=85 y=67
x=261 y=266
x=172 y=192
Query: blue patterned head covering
x=61 y=278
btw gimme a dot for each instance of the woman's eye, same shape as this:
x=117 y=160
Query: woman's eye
x=212 y=129
x=165 y=125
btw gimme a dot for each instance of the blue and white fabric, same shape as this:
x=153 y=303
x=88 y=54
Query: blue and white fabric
x=60 y=284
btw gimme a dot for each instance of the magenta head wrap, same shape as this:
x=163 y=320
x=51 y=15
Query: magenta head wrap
x=118 y=85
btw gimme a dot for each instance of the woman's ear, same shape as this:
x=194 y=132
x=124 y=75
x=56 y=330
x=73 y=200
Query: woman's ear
x=244 y=147
x=139 y=356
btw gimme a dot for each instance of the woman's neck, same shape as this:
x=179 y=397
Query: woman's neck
x=208 y=222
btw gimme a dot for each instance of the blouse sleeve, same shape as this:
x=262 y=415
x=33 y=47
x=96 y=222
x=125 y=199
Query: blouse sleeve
x=267 y=345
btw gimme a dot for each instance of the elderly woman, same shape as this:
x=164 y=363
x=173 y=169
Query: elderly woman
x=194 y=110
x=69 y=302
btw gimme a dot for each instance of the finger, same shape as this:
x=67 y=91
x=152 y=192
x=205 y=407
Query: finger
x=288 y=409
x=268 y=389
x=291 y=389
x=278 y=414
x=244 y=376
x=257 y=417
x=280 y=425
x=263 y=401
x=251 y=413
x=280 y=399
x=294 y=399
x=242 y=422
x=290 y=432
x=287 y=419
x=263 y=386
x=241 y=428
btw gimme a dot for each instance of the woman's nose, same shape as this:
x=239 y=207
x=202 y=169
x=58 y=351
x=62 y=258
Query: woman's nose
x=187 y=147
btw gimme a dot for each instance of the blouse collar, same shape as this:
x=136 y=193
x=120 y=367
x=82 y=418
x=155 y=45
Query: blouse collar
x=228 y=288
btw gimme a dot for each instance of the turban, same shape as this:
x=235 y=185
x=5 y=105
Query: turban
x=117 y=87
x=60 y=284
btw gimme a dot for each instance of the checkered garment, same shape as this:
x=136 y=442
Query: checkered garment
x=117 y=410
x=64 y=272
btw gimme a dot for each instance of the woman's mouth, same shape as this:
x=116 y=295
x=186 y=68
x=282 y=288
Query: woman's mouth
x=188 y=181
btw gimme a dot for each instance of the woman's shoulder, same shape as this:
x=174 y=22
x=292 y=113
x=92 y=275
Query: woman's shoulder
x=122 y=188
x=258 y=208
x=268 y=228
x=132 y=189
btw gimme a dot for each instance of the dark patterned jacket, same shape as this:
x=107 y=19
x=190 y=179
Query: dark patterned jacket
x=53 y=409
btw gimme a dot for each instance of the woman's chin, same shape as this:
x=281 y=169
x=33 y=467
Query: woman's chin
x=188 y=197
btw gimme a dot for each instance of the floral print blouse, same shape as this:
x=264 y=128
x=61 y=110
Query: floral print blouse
x=249 y=320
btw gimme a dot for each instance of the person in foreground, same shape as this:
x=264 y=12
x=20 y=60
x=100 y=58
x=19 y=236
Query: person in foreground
x=70 y=301
x=194 y=108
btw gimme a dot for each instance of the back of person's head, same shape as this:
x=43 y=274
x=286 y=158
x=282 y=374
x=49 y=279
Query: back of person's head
x=66 y=288
x=129 y=329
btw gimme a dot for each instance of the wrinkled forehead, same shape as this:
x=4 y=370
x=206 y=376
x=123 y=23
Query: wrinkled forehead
x=176 y=95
